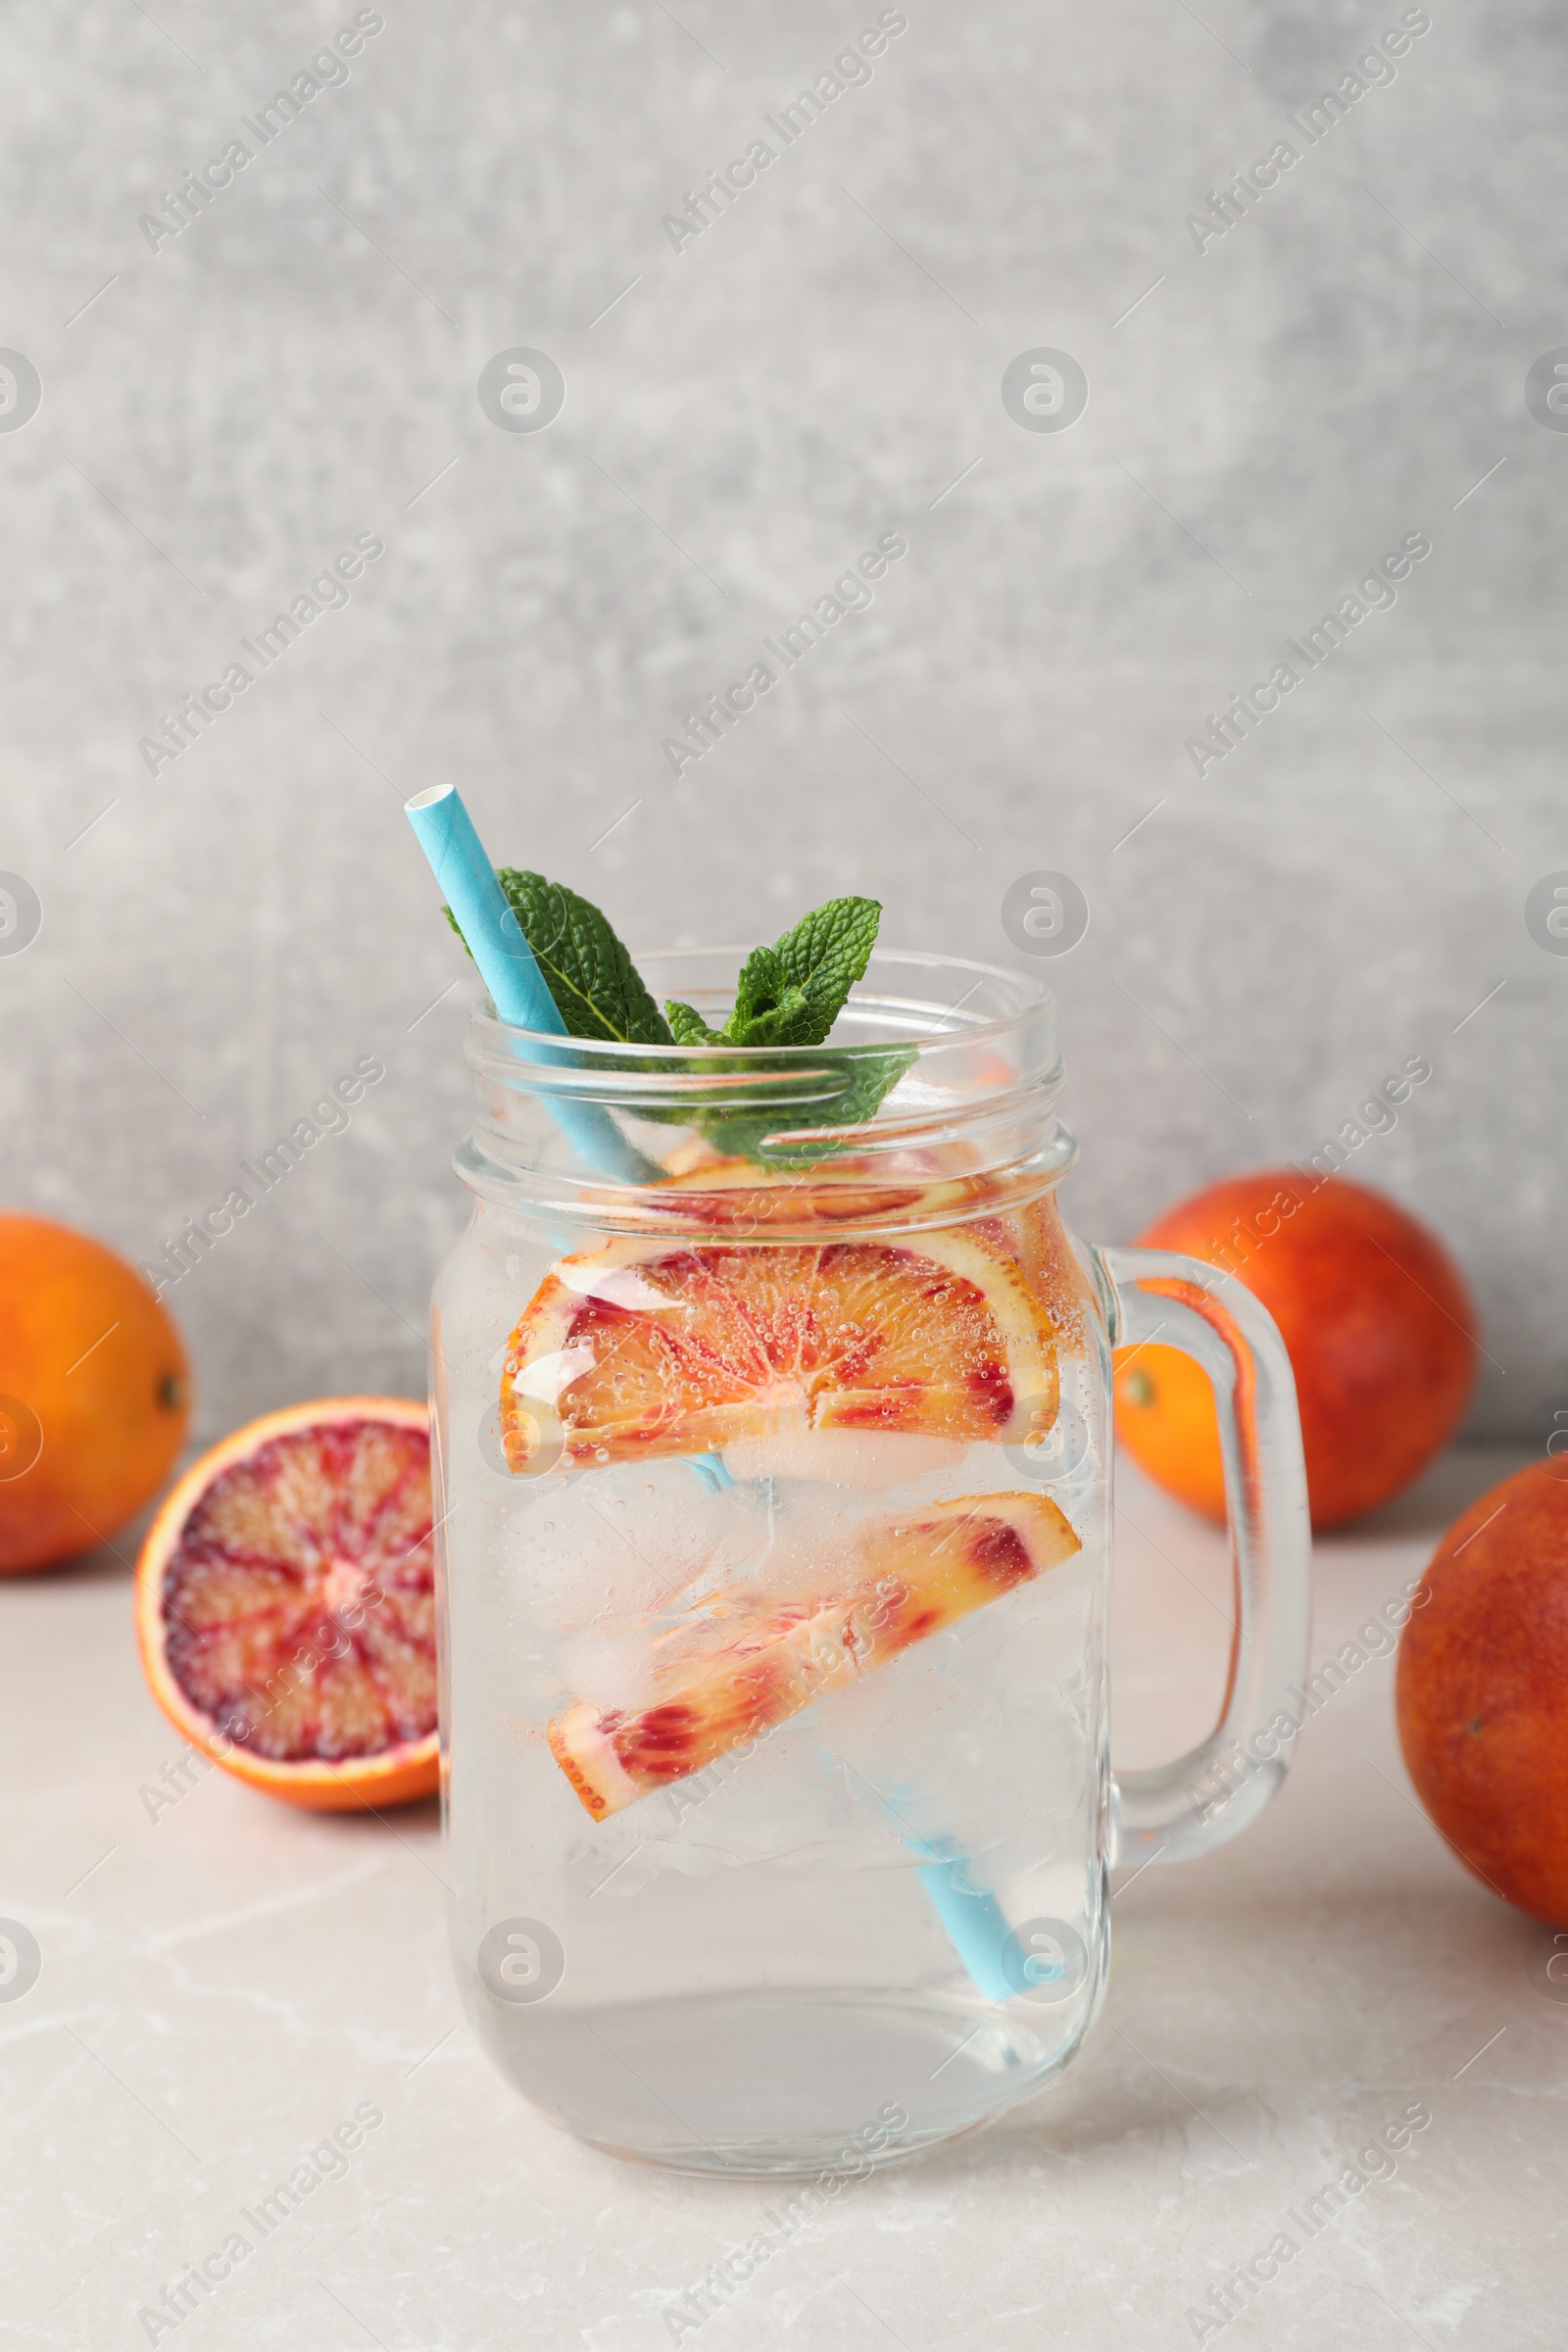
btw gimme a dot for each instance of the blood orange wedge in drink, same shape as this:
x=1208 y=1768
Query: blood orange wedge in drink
x=284 y=1605
x=638 y=1349
x=735 y=1665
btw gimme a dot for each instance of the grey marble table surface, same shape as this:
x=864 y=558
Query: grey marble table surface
x=225 y=1985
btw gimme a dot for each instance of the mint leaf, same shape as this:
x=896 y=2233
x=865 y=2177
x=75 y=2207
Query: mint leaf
x=597 y=990
x=861 y=1078
x=687 y=1026
x=792 y=993
x=769 y=1005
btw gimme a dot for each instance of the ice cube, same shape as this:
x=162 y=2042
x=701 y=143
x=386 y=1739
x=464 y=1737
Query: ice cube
x=616 y=1545
x=863 y=1460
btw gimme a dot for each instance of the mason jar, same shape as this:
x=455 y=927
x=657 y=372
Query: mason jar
x=773 y=1449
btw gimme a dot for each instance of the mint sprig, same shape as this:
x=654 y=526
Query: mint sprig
x=788 y=996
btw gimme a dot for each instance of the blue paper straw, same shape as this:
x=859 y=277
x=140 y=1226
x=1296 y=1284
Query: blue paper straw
x=445 y=832
x=976 y=1925
x=977 y=1929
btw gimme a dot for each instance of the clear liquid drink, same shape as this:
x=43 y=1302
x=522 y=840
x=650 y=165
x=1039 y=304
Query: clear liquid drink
x=775 y=1520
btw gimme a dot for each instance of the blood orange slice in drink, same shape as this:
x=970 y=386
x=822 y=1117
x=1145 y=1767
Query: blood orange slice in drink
x=738 y=1197
x=739 y=1663
x=638 y=1349
x=284 y=1605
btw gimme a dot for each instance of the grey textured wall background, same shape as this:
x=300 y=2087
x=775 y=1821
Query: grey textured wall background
x=299 y=365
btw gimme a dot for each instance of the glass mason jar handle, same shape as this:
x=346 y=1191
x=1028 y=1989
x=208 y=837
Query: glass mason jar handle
x=1220 y=1788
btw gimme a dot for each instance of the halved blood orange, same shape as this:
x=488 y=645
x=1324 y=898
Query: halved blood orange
x=284 y=1607
x=737 y=1664
x=638 y=1349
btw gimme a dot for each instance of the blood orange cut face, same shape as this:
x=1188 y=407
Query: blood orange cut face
x=285 y=1605
x=741 y=1662
x=635 y=1350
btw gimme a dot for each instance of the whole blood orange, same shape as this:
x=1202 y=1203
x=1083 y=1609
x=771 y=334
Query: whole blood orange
x=1374 y=1317
x=284 y=1604
x=1483 y=1689
x=94 y=1392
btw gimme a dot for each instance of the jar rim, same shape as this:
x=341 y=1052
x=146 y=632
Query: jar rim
x=937 y=1064
x=1030 y=998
